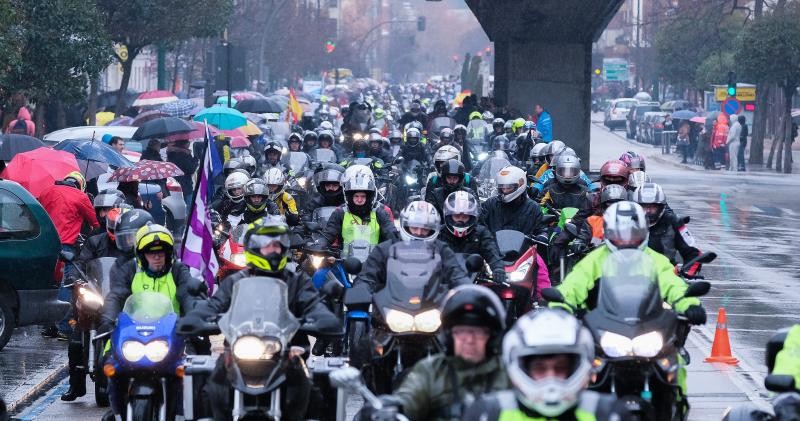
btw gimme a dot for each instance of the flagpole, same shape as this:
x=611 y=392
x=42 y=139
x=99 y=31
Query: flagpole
x=196 y=187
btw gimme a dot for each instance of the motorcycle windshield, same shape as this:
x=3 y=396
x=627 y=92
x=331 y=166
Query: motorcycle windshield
x=492 y=167
x=238 y=233
x=510 y=243
x=99 y=271
x=324 y=155
x=324 y=213
x=362 y=161
x=298 y=162
x=629 y=290
x=412 y=273
x=437 y=124
x=147 y=306
x=259 y=307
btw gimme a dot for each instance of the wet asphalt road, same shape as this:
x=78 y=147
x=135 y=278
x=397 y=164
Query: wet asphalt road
x=751 y=220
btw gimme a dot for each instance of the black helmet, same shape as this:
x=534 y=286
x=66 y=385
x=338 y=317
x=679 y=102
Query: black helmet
x=500 y=143
x=452 y=168
x=461 y=130
x=612 y=193
x=360 y=148
x=127 y=226
x=473 y=305
x=413 y=136
x=329 y=174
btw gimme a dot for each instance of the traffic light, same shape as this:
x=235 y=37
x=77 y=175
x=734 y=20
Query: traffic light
x=732 y=84
x=421 y=23
x=597 y=71
x=330 y=46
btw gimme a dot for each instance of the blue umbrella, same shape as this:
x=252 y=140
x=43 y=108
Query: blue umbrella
x=93 y=150
x=223 y=118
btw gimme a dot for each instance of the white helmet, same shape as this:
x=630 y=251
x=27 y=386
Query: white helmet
x=250 y=163
x=275 y=177
x=548 y=332
x=625 y=226
x=537 y=151
x=460 y=203
x=553 y=148
x=419 y=214
x=511 y=176
x=236 y=180
x=444 y=154
x=352 y=170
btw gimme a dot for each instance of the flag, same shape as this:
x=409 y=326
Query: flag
x=197 y=250
x=293 y=110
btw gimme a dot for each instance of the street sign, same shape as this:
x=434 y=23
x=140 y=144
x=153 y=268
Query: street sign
x=731 y=106
x=742 y=94
x=615 y=69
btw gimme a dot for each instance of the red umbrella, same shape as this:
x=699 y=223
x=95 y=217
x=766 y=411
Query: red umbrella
x=147 y=116
x=240 y=142
x=154 y=98
x=198 y=133
x=146 y=170
x=701 y=120
x=39 y=169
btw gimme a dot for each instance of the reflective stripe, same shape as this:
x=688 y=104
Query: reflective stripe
x=353 y=229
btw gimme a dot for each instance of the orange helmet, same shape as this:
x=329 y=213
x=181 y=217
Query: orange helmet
x=111 y=221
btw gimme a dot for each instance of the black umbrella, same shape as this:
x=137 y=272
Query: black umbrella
x=17 y=143
x=162 y=127
x=259 y=105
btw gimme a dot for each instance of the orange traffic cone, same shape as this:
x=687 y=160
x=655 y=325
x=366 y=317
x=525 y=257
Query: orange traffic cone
x=721 y=350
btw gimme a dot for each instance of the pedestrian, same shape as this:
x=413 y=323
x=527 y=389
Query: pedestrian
x=719 y=140
x=544 y=123
x=117 y=143
x=23 y=123
x=179 y=154
x=683 y=141
x=733 y=143
x=745 y=131
x=152 y=152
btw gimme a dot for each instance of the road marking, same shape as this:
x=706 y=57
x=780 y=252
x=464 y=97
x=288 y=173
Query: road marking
x=44 y=403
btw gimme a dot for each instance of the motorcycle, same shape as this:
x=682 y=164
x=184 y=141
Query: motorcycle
x=348 y=379
x=320 y=155
x=148 y=354
x=230 y=251
x=639 y=341
x=487 y=173
x=519 y=293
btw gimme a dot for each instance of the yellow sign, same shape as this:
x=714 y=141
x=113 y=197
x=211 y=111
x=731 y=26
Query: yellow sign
x=122 y=51
x=742 y=94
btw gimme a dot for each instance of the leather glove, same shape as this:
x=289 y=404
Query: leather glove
x=579 y=247
x=562 y=238
x=499 y=276
x=696 y=314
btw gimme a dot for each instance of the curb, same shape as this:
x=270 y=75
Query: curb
x=662 y=160
x=54 y=377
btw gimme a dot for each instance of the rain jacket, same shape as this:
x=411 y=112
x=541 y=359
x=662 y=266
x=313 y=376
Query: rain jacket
x=332 y=233
x=580 y=287
x=504 y=406
x=184 y=160
x=670 y=237
x=25 y=116
x=427 y=393
x=544 y=125
x=68 y=208
x=787 y=362
x=480 y=241
x=522 y=214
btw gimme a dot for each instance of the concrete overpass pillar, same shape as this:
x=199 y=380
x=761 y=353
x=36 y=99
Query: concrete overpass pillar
x=556 y=75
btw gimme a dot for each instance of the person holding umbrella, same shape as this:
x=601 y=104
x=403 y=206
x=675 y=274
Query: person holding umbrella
x=151 y=153
x=179 y=154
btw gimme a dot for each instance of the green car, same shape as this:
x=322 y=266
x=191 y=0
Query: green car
x=29 y=249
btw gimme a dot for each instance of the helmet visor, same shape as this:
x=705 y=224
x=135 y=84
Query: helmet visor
x=626 y=235
x=568 y=172
x=258 y=241
x=125 y=240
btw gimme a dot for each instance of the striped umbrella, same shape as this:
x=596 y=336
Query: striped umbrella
x=180 y=108
x=154 y=98
x=146 y=116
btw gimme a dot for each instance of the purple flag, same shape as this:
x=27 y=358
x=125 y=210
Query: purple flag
x=198 y=245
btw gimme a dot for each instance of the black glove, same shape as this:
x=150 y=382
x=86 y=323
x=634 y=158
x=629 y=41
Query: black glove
x=578 y=247
x=696 y=314
x=542 y=238
x=562 y=239
x=105 y=327
x=499 y=276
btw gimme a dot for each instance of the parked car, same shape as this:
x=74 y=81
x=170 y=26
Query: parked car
x=29 y=276
x=652 y=126
x=617 y=112
x=676 y=105
x=636 y=115
x=133 y=148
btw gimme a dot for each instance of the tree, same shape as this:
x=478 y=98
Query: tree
x=714 y=70
x=769 y=51
x=140 y=23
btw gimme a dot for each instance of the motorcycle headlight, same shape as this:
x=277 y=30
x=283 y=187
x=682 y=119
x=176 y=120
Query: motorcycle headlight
x=648 y=345
x=255 y=348
x=90 y=296
x=428 y=321
x=357 y=136
x=615 y=345
x=341 y=138
x=133 y=350
x=302 y=181
x=156 y=351
x=411 y=180
x=238 y=259
x=519 y=274
x=399 y=322
x=316 y=261
x=482 y=156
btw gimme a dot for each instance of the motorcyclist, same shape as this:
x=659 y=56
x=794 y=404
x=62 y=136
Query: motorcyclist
x=376 y=149
x=565 y=191
x=441 y=157
x=549 y=175
x=267 y=253
x=443 y=386
x=460 y=141
x=445 y=137
x=414 y=113
x=497 y=130
x=232 y=200
x=511 y=208
x=535 y=161
x=283 y=200
x=395 y=143
x=256 y=200
x=420 y=222
x=329 y=188
x=272 y=153
x=413 y=149
x=325 y=140
x=310 y=139
x=295 y=142
x=464 y=235
x=609 y=195
x=549 y=372
x=553 y=148
x=103 y=203
x=508 y=128
x=669 y=234
x=452 y=174
x=636 y=169
x=228 y=168
x=250 y=165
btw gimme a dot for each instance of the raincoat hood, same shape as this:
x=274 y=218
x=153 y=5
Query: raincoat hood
x=23 y=114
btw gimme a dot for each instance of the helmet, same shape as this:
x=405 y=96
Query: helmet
x=446 y=136
x=325 y=135
x=413 y=133
x=359 y=181
x=261 y=233
x=529 y=125
x=233 y=182
x=325 y=125
x=359 y=148
x=568 y=169
x=473 y=305
x=537 y=152
x=109 y=198
x=460 y=203
x=76 y=179
x=111 y=221
x=127 y=226
x=487 y=116
x=232 y=165
x=475 y=115
x=378 y=114
x=614 y=172
x=375 y=137
x=514 y=177
x=566 y=151
x=154 y=238
x=395 y=136
x=273 y=147
x=419 y=214
x=633 y=160
x=553 y=148
x=444 y=154
x=460 y=128
x=518 y=124
x=548 y=333
x=625 y=226
x=612 y=193
x=275 y=177
x=498 y=123
x=256 y=187
x=507 y=126
x=250 y=164
x=328 y=175
x=310 y=138
x=500 y=143
x=653 y=200
x=452 y=167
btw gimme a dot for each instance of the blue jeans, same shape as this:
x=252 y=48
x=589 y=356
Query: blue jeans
x=65 y=294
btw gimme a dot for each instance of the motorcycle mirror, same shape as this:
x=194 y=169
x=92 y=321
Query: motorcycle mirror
x=697 y=289
x=779 y=383
x=474 y=263
x=571 y=228
x=686 y=219
x=352 y=265
x=553 y=295
x=703 y=258
x=346 y=378
x=67 y=256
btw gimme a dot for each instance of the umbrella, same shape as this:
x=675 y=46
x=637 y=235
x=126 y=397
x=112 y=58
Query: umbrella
x=222 y=117
x=698 y=119
x=179 y=108
x=162 y=127
x=38 y=169
x=146 y=116
x=281 y=100
x=223 y=100
x=14 y=144
x=92 y=169
x=239 y=142
x=121 y=121
x=684 y=115
x=93 y=150
x=198 y=132
x=251 y=129
x=261 y=105
x=102 y=118
x=146 y=170
x=154 y=98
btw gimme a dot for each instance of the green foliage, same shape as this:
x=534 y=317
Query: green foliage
x=769 y=49
x=714 y=70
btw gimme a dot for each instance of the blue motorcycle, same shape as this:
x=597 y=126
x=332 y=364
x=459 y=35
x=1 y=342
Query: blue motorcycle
x=146 y=362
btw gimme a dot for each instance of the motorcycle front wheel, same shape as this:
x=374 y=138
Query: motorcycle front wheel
x=144 y=409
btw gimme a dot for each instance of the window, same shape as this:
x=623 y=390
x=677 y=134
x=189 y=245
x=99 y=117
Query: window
x=16 y=220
